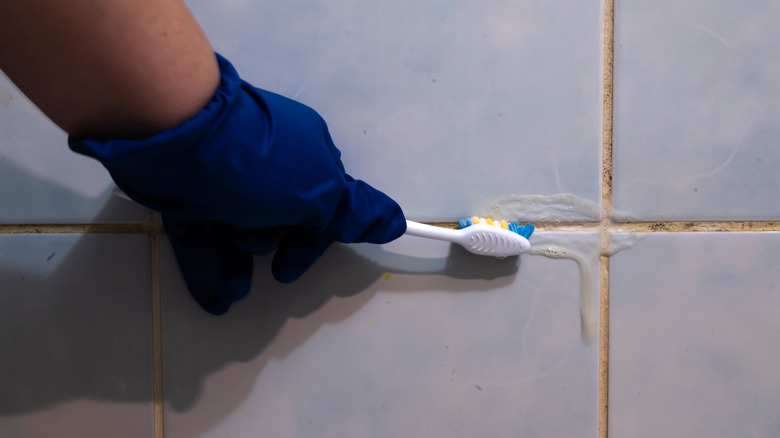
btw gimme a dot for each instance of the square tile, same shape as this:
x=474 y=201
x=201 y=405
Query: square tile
x=75 y=333
x=42 y=181
x=695 y=112
x=695 y=335
x=446 y=106
x=413 y=338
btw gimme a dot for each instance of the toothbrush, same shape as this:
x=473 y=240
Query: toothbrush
x=483 y=236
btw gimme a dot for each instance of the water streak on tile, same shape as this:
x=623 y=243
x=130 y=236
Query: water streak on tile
x=584 y=251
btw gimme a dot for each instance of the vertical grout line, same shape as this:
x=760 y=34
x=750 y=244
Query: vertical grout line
x=604 y=347
x=606 y=216
x=157 y=366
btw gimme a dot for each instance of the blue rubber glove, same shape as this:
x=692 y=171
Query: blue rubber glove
x=251 y=173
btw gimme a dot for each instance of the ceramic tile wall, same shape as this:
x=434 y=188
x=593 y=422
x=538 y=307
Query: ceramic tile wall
x=694 y=338
x=452 y=109
x=410 y=339
x=75 y=330
x=696 y=106
x=452 y=93
x=41 y=180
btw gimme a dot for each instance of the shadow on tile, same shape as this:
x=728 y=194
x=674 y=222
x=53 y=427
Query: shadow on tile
x=28 y=198
x=74 y=322
x=198 y=344
x=450 y=344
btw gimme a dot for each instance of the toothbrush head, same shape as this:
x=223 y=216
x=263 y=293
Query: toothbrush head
x=483 y=236
x=498 y=238
x=523 y=230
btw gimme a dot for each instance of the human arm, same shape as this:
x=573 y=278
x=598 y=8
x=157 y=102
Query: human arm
x=234 y=170
x=108 y=68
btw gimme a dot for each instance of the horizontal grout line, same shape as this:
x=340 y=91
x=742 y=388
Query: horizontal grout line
x=543 y=226
x=119 y=228
x=694 y=226
x=650 y=226
x=155 y=226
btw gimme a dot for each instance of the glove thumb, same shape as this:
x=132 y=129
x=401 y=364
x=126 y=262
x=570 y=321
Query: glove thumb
x=364 y=214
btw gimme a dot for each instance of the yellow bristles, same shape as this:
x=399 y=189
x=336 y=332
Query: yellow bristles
x=490 y=221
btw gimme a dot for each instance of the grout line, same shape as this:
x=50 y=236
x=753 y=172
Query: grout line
x=603 y=367
x=608 y=225
x=606 y=216
x=157 y=347
x=694 y=226
x=118 y=228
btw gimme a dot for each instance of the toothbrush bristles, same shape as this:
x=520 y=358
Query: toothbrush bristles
x=523 y=230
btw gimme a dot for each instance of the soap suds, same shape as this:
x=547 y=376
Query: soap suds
x=622 y=242
x=563 y=207
x=583 y=249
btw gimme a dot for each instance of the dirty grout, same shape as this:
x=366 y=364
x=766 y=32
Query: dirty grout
x=158 y=395
x=606 y=215
x=116 y=228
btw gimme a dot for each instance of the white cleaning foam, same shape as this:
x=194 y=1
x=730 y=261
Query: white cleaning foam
x=582 y=248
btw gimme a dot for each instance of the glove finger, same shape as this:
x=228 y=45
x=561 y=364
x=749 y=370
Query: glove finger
x=259 y=240
x=215 y=270
x=297 y=252
x=364 y=214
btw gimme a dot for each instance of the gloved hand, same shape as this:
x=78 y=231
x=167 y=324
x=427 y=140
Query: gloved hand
x=252 y=172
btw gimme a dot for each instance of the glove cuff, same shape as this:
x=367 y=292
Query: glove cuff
x=129 y=153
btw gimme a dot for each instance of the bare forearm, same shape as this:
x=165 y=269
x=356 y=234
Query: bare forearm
x=108 y=67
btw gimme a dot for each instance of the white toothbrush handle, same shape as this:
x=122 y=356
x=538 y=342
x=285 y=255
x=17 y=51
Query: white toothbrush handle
x=480 y=239
x=432 y=232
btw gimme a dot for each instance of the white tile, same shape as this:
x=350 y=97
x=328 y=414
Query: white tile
x=694 y=336
x=406 y=339
x=445 y=106
x=75 y=333
x=696 y=107
x=41 y=180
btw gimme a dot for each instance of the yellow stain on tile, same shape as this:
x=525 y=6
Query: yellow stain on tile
x=387 y=275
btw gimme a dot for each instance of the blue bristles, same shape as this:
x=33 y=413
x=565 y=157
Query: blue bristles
x=465 y=222
x=526 y=231
x=523 y=230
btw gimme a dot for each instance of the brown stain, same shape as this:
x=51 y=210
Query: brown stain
x=659 y=227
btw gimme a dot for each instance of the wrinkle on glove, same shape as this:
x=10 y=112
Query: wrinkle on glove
x=251 y=172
